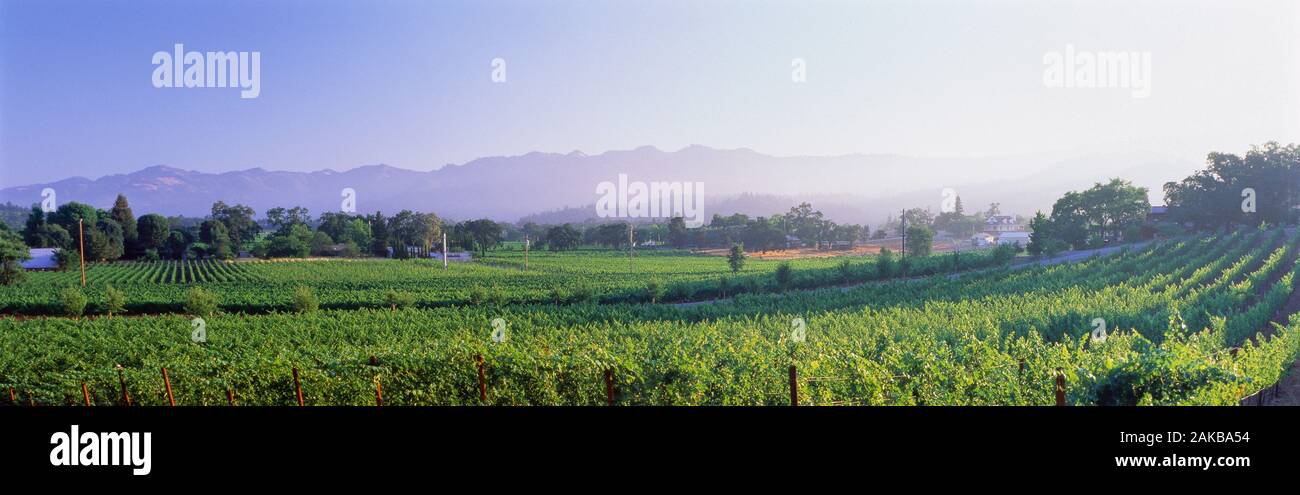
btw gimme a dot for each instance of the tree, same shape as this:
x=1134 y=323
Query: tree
x=563 y=238
x=677 y=232
x=654 y=290
x=736 y=258
x=304 y=300
x=485 y=234
x=919 y=239
x=34 y=230
x=1213 y=198
x=321 y=244
x=379 y=234
x=805 y=223
x=177 y=242
x=213 y=233
x=114 y=300
x=121 y=213
x=72 y=302
x=200 y=302
x=12 y=253
x=152 y=231
x=69 y=213
x=105 y=242
x=238 y=220
x=784 y=275
x=763 y=235
x=885 y=263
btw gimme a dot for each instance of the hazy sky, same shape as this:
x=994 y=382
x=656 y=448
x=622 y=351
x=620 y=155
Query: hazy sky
x=347 y=83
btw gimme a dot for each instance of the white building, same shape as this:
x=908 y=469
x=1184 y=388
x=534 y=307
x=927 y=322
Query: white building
x=1001 y=223
x=1008 y=238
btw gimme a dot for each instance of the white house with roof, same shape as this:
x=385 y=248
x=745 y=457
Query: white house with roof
x=1001 y=223
x=42 y=259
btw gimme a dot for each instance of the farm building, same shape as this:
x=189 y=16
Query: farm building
x=42 y=259
x=1008 y=238
x=1001 y=223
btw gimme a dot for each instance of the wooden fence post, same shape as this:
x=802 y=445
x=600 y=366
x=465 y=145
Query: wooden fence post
x=609 y=386
x=12 y=398
x=85 y=393
x=297 y=386
x=794 y=386
x=230 y=396
x=1060 y=387
x=121 y=378
x=168 y=382
x=379 y=388
x=482 y=379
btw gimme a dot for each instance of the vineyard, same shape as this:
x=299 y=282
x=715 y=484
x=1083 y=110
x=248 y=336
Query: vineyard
x=1186 y=321
x=601 y=276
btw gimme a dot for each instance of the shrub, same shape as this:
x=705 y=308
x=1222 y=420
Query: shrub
x=72 y=302
x=654 y=290
x=784 y=275
x=304 y=300
x=395 y=299
x=200 y=302
x=114 y=300
x=736 y=258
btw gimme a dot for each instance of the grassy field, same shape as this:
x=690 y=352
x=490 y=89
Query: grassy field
x=1181 y=322
x=604 y=276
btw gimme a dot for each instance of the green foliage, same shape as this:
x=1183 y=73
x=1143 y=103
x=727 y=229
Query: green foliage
x=72 y=302
x=200 y=302
x=114 y=300
x=396 y=299
x=736 y=257
x=784 y=276
x=304 y=300
x=12 y=253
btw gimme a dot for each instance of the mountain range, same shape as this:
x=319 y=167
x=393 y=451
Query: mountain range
x=551 y=187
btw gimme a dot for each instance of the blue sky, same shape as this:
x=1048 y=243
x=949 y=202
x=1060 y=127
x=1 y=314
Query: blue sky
x=349 y=83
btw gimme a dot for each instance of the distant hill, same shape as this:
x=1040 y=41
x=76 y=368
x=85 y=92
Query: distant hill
x=848 y=188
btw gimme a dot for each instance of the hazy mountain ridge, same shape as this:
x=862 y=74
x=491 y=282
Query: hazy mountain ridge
x=855 y=188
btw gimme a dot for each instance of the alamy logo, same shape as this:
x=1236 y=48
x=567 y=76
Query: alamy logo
x=101 y=449
x=654 y=200
x=183 y=69
x=1091 y=70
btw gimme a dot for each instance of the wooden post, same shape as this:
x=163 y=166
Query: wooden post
x=482 y=379
x=379 y=392
x=168 y=382
x=794 y=386
x=121 y=378
x=81 y=234
x=297 y=386
x=85 y=393
x=230 y=396
x=12 y=398
x=609 y=386
x=1060 y=387
x=444 y=250
x=525 y=252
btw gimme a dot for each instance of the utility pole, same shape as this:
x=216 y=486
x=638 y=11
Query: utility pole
x=81 y=235
x=902 y=220
x=444 y=250
x=629 y=246
x=525 y=252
